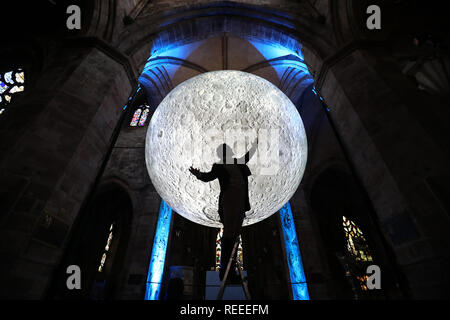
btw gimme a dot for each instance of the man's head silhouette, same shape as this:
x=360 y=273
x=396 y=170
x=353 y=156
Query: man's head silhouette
x=225 y=153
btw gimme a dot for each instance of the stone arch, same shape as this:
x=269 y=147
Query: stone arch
x=333 y=196
x=334 y=193
x=140 y=40
x=376 y=121
x=334 y=163
x=111 y=205
x=221 y=51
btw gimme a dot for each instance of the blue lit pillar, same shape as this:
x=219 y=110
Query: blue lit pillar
x=156 y=268
x=294 y=259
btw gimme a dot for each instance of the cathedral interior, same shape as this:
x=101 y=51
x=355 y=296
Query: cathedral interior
x=76 y=104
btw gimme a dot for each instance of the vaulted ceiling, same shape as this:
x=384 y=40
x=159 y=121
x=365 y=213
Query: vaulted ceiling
x=285 y=68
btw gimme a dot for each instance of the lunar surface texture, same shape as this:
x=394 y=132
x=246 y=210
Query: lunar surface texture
x=230 y=107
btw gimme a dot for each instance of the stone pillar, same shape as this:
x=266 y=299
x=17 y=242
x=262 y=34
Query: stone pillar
x=393 y=137
x=127 y=163
x=312 y=258
x=52 y=143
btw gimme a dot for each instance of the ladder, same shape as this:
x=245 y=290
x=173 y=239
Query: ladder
x=227 y=271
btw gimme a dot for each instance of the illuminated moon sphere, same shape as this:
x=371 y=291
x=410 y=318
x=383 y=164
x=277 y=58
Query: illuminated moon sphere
x=230 y=107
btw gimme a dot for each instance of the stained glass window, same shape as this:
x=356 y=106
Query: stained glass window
x=107 y=247
x=11 y=83
x=143 y=117
x=140 y=116
x=218 y=248
x=240 y=256
x=136 y=116
x=358 y=249
x=362 y=279
x=356 y=243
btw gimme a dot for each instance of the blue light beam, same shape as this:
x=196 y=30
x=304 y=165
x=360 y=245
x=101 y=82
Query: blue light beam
x=156 y=269
x=294 y=259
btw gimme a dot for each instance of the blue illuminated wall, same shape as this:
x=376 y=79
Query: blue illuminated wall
x=156 y=269
x=165 y=60
x=294 y=259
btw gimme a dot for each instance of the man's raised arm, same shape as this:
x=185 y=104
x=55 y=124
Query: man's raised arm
x=246 y=158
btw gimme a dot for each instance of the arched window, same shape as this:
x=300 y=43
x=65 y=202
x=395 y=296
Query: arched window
x=349 y=236
x=136 y=116
x=98 y=245
x=11 y=83
x=143 y=117
x=140 y=116
x=240 y=256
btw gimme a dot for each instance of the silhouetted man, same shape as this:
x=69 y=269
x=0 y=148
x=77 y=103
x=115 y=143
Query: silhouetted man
x=233 y=198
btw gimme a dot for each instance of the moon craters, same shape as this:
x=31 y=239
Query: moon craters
x=230 y=107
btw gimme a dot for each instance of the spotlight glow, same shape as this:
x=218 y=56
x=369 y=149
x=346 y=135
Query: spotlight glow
x=156 y=268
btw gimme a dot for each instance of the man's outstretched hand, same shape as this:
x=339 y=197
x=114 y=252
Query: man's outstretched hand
x=194 y=171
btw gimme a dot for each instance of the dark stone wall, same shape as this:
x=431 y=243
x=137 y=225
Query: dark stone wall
x=54 y=141
x=127 y=163
x=394 y=152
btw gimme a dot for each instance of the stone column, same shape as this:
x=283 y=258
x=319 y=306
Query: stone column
x=393 y=136
x=312 y=258
x=127 y=163
x=52 y=143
